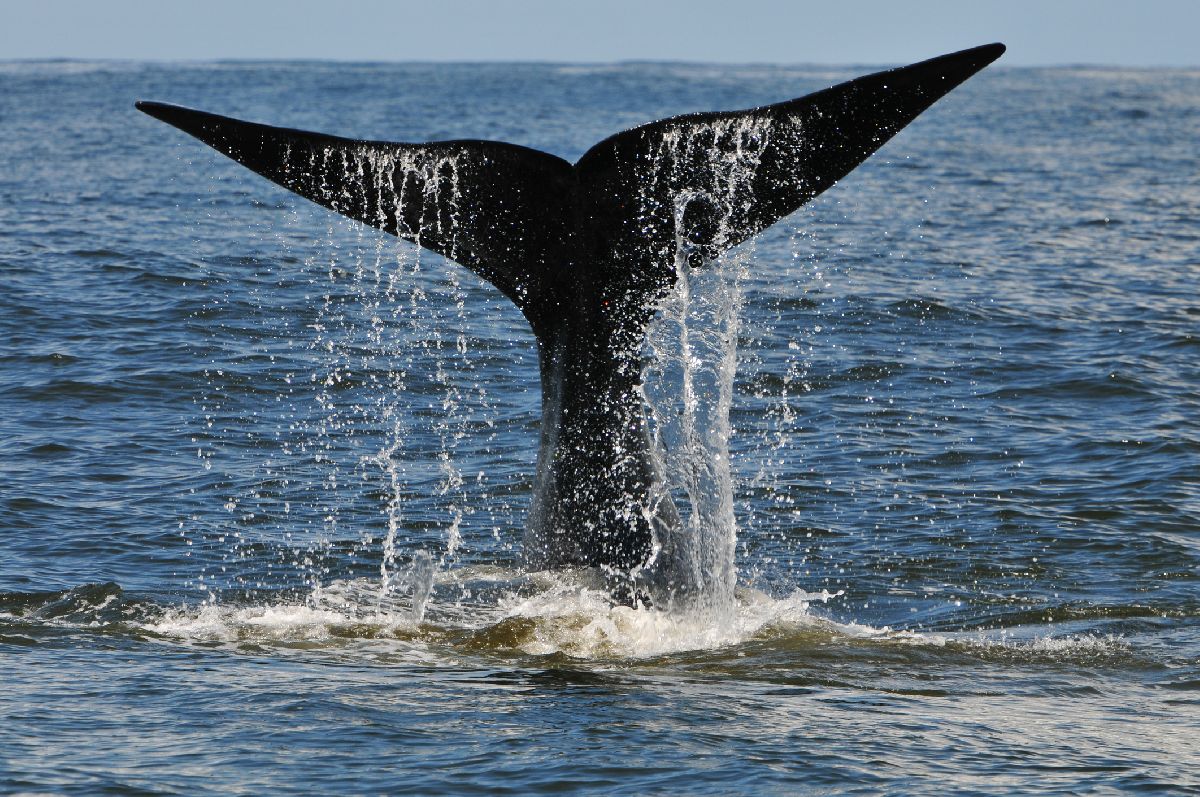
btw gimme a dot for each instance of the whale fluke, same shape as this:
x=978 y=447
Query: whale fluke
x=586 y=250
x=805 y=146
x=487 y=205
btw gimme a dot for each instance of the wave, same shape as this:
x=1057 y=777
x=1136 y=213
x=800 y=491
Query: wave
x=503 y=614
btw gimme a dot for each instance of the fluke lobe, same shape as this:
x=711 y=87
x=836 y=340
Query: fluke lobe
x=586 y=251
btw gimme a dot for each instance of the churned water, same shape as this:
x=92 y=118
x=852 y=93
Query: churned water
x=265 y=471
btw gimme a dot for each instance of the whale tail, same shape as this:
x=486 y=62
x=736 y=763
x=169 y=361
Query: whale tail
x=585 y=250
x=524 y=220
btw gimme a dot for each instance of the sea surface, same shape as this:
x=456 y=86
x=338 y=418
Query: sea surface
x=264 y=472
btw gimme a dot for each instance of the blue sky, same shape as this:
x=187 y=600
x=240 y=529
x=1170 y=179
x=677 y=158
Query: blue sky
x=1124 y=32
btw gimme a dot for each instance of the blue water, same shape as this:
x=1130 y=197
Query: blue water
x=966 y=445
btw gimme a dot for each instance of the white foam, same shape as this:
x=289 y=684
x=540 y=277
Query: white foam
x=547 y=614
x=1069 y=647
x=281 y=623
x=583 y=623
x=566 y=614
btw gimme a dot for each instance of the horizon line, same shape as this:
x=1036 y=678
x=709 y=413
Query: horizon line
x=556 y=62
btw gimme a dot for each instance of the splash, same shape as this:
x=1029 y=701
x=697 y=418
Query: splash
x=397 y=379
x=567 y=613
x=416 y=343
x=691 y=349
x=360 y=459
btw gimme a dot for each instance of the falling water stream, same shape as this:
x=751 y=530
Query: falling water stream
x=691 y=355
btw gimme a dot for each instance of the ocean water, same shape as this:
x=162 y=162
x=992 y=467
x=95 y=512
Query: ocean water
x=264 y=472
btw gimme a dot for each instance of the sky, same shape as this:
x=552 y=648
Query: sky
x=1037 y=32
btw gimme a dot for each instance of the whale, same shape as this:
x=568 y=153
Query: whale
x=587 y=251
